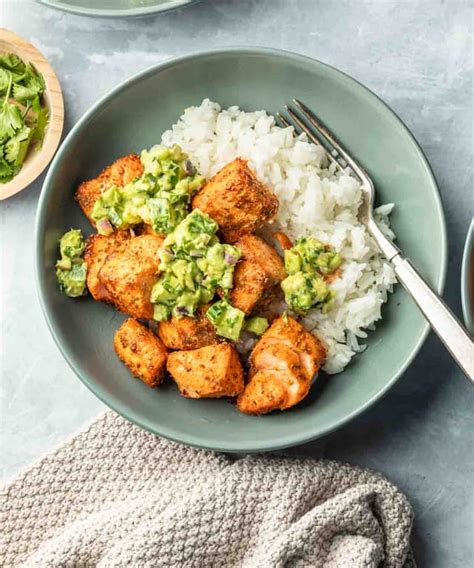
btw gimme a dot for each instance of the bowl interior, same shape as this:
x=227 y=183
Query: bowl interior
x=133 y=117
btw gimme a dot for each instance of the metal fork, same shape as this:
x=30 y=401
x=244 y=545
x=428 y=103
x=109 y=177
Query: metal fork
x=431 y=305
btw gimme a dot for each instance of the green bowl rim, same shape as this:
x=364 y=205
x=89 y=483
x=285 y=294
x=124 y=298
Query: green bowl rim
x=467 y=308
x=169 y=6
x=191 y=439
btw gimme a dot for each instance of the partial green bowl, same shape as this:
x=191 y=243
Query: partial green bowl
x=117 y=8
x=467 y=280
x=132 y=117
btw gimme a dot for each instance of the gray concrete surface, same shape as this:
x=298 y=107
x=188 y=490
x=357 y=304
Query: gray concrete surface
x=415 y=54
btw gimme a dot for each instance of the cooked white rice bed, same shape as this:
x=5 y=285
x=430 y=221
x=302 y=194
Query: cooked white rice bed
x=314 y=200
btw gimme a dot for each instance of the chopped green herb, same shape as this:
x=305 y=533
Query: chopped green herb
x=23 y=117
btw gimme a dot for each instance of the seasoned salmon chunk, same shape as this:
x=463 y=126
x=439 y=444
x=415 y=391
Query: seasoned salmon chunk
x=273 y=390
x=238 y=202
x=286 y=331
x=98 y=247
x=209 y=372
x=282 y=367
x=258 y=271
x=122 y=171
x=188 y=332
x=129 y=273
x=141 y=351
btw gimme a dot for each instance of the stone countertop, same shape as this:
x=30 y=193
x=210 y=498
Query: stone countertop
x=417 y=55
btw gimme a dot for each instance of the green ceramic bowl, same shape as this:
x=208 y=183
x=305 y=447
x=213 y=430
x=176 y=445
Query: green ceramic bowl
x=467 y=280
x=132 y=117
x=117 y=8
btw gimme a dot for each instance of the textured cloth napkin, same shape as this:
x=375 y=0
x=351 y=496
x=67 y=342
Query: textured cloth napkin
x=115 y=495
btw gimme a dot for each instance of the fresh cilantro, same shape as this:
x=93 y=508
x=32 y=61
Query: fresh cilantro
x=23 y=115
x=17 y=146
x=10 y=117
x=12 y=62
x=6 y=171
x=40 y=126
x=5 y=78
x=32 y=85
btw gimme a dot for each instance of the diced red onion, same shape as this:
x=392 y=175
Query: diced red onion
x=188 y=167
x=195 y=254
x=104 y=227
x=230 y=259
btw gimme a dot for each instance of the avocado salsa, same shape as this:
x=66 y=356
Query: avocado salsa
x=160 y=197
x=71 y=270
x=306 y=264
x=194 y=264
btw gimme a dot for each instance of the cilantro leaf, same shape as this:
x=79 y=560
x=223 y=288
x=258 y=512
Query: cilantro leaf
x=6 y=171
x=39 y=128
x=10 y=120
x=5 y=78
x=24 y=93
x=31 y=85
x=12 y=62
x=17 y=146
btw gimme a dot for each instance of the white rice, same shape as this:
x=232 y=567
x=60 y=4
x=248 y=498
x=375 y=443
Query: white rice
x=314 y=200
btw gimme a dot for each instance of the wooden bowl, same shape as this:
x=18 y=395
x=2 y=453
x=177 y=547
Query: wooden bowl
x=36 y=160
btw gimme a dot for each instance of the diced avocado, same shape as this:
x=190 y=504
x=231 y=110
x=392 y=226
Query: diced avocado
x=304 y=291
x=221 y=260
x=309 y=249
x=206 y=295
x=163 y=294
x=292 y=261
x=328 y=262
x=187 y=303
x=64 y=264
x=257 y=325
x=134 y=206
x=328 y=303
x=73 y=282
x=309 y=254
x=161 y=312
x=160 y=294
x=227 y=320
x=110 y=206
x=71 y=270
x=163 y=216
x=193 y=234
x=71 y=244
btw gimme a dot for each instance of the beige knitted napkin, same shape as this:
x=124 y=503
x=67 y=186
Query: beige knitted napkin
x=118 y=496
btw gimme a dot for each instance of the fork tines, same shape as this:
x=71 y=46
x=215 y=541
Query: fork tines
x=303 y=119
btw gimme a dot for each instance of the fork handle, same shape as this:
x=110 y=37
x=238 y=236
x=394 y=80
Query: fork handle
x=437 y=313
